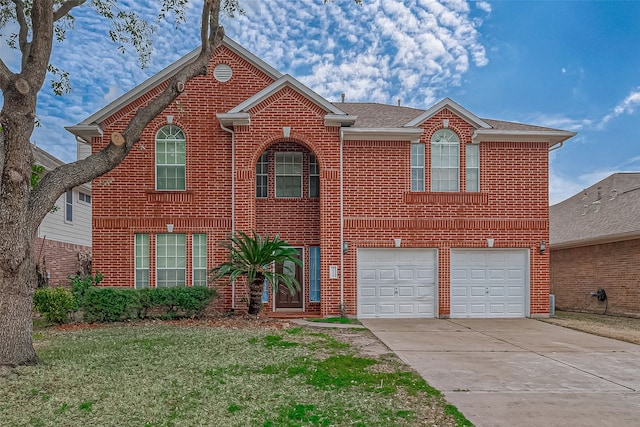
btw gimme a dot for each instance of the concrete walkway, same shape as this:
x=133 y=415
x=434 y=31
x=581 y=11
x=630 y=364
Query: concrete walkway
x=520 y=372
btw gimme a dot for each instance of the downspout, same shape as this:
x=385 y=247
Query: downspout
x=342 y=308
x=233 y=202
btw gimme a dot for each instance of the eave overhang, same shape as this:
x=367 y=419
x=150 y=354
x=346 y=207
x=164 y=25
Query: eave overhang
x=341 y=120
x=234 y=119
x=85 y=131
x=382 y=134
x=600 y=240
x=551 y=137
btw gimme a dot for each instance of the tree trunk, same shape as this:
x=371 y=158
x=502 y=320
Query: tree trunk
x=255 y=295
x=16 y=325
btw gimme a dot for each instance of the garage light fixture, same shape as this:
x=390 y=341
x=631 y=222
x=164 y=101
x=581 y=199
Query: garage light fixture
x=490 y=242
x=543 y=247
x=397 y=242
x=345 y=247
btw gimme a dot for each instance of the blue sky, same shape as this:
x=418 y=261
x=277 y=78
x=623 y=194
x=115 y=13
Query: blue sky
x=571 y=65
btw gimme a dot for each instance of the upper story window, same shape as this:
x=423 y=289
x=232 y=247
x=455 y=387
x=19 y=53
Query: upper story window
x=262 y=176
x=170 y=158
x=314 y=177
x=68 y=206
x=288 y=174
x=473 y=168
x=445 y=161
x=84 y=197
x=417 y=167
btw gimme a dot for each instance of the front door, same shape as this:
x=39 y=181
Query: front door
x=284 y=297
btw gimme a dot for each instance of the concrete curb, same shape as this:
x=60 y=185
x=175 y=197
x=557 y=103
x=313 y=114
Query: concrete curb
x=303 y=322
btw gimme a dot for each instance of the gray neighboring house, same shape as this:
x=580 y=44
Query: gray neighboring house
x=63 y=242
x=595 y=245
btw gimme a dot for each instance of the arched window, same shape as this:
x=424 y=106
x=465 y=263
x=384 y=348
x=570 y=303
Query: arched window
x=445 y=161
x=170 y=158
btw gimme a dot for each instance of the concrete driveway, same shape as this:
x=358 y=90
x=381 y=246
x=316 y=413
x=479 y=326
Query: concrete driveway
x=520 y=372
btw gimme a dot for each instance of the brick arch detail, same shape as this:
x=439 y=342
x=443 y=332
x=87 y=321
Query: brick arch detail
x=295 y=137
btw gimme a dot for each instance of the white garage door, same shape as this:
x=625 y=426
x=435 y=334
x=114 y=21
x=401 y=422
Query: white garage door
x=396 y=283
x=489 y=283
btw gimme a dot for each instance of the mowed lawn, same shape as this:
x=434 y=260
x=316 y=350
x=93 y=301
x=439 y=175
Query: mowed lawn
x=191 y=374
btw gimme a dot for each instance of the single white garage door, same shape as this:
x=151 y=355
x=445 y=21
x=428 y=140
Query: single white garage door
x=489 y=283
x=396 y=283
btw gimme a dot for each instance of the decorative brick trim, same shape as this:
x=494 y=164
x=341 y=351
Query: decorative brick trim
x=169 y=197
x=446 y=198
x=160 y=224
x=446 y=224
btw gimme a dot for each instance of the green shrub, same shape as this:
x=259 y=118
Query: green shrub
x=103 y=304
x=54 y=304
x=80 y=284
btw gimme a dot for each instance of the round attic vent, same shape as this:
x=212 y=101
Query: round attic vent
x=222 y=73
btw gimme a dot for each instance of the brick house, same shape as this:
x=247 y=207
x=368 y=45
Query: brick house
x=595 y=244
x=396 y=211
x=63 y=240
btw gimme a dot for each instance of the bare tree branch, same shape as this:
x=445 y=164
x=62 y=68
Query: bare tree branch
x=71 y=175
x=23 y=42
x=66 y=7
x=34 y=68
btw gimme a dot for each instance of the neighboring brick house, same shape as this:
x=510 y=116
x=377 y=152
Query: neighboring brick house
x=63 y=241
x=397 y=212
x=595 y=244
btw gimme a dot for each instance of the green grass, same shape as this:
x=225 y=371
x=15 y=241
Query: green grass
x=172 y=375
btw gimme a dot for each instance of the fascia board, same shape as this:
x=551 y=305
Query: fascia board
x=234 y=119
x=85 y=131
x=552 y=137
x=286 y=80
x=459 y=110
x=611 y=238
x=339 y=120
x=169 y=72
x=382 y=134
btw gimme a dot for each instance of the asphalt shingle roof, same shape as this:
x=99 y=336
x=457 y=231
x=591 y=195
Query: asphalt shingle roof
x=609 y=209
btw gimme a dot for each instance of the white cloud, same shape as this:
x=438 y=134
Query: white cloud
x=627 y=106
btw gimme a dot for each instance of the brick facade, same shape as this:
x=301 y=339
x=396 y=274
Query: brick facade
x=577 y=272
x=60 y=259
x=377 y=204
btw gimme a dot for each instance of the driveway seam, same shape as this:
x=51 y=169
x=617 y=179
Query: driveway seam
x=543 y=355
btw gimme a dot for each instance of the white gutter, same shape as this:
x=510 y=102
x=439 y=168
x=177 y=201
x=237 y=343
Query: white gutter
x=233 y=201
x=341 y=225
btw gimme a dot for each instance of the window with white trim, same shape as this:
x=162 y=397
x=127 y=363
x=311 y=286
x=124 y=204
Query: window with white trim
x=314 y=274
x=262 y=176
x=68 y=206
x=171 y=260
x=445 y=161
x=141 y=257
x=314 y=177
x=170 y=158
x=417 y=167
x=288 y=174
x=473 y=168
x=199 y=252
x=85 y=198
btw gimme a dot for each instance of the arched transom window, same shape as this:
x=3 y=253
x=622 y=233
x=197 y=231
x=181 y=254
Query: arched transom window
x=445 y=161
x=170 y=158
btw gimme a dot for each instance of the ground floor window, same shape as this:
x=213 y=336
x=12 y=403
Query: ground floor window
x=314 y=274
x=200 y=259
x=171 y=260
x=141 y=256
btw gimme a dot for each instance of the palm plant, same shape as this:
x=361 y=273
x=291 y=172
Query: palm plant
x=253 y=257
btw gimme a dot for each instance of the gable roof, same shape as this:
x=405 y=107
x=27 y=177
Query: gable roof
x=453 y=106
x=605 y=212
x=89 y=127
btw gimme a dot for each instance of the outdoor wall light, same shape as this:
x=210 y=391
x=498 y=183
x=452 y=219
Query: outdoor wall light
x=543 y=247
x=397 y=242
x=345 y=247
x=490 y=242
x=170 y=228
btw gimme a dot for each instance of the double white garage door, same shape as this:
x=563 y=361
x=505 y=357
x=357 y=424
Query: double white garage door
x=397 y=283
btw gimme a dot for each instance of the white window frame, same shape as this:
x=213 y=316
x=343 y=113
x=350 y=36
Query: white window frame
x=288 y=165
x=84 y=197
x=417 y=167
x=314 y=176
x=178 y=261
x=472 y=167
x=445 y=153
x=262 y=176
x=68 y=206
x=199 y=258
x=176 y=159
x=141 y=259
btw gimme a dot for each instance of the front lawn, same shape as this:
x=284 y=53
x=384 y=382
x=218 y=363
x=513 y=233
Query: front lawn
x=195 y=374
